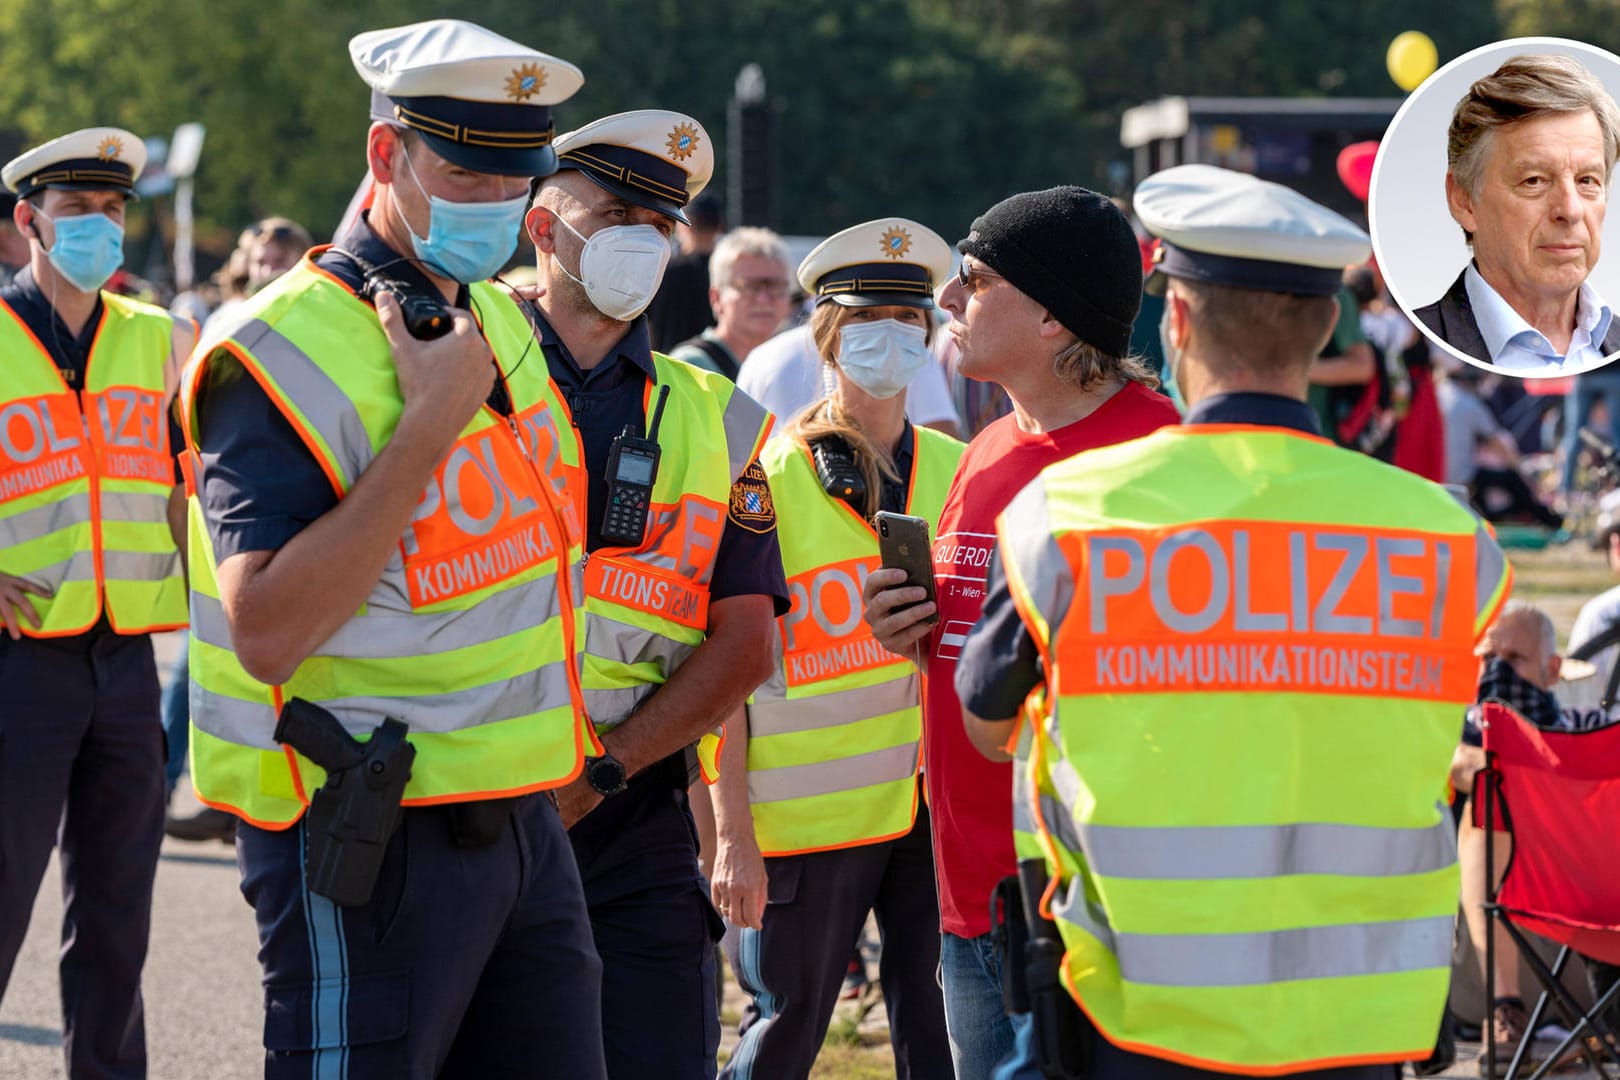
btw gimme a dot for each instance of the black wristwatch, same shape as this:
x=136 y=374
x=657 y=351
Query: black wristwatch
x=605 y=775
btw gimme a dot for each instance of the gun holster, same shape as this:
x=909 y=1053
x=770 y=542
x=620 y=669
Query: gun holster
x=1062 y=1033
x=1009 y=935
x=354 y=814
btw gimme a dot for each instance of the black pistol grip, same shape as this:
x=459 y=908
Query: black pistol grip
x=317 y=734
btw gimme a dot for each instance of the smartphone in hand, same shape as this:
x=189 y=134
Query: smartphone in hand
x=903 y=544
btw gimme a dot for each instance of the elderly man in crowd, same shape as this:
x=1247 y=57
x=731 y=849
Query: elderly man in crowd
x=749 y=281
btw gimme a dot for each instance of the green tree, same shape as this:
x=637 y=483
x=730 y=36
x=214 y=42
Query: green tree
x=1596 y=22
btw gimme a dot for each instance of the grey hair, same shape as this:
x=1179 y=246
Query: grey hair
x=1524 y=87
x=1544 y=624
x=749 y=240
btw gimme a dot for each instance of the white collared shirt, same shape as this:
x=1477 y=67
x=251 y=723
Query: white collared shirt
x=1518 y=348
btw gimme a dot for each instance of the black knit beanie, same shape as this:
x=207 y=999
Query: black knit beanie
x=1071 y=251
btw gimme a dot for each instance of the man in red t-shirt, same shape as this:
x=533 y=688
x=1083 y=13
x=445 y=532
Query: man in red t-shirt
x=1049 y=287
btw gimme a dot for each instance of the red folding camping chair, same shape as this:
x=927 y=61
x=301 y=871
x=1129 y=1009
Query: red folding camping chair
x=1558 y=794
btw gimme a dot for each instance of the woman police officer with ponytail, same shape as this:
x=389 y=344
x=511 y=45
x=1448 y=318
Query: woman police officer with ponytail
x=819 y=805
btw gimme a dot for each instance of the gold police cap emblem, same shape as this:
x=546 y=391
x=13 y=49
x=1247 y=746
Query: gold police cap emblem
x=683 y=141
x=110 y=148
x=896 y=242
x=525 y=82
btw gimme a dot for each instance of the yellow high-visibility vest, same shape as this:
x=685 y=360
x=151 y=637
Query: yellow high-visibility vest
x=1257 y=648
x=471 y=635
x=834 y=735
x=646 y=608
x=85 y=477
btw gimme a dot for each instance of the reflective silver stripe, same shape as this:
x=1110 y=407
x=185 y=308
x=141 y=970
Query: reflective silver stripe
x=140 y=565
x=1065 y=781
x=743 y=419
x=1060 y=824
x=44 y=520
x=1024 y=816
x=1317 y=952
x=775 y=716
x=81 y=567
x=609 y=708
x=1042 y=566
x=1196 y=853
x=1071 y=905
x=391 y=635
x=1490 y=564
x=623 y=643
x=321 y=401
x=827 y=777
x=244 y=723
x=146 y=506
x=544 y=688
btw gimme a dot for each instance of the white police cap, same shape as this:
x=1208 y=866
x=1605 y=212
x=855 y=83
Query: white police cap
x=1230 y=228
x=650 y=157
x=479 y=100
x=94 y=159
x=887 y=261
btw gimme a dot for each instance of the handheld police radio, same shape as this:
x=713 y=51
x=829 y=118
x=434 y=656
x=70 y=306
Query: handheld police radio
x=426 y=317
x=632 y=467
x=838 y=472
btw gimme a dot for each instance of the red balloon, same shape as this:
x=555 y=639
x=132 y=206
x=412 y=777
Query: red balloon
x=1356 y=166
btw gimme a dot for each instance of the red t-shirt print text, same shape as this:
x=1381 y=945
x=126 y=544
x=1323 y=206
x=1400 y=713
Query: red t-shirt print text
x=961 y=562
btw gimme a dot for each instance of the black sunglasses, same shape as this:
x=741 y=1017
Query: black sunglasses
x=969 y=279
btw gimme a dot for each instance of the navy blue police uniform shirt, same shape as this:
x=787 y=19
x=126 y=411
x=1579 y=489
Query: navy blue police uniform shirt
x=626 y=840
x=71 y=354
x=999 y=665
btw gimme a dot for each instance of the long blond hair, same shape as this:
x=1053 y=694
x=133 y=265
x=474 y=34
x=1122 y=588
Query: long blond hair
x=826 y=417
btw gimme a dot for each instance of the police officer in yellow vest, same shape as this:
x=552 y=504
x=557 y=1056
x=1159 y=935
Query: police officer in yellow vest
x=90 y=516
x=683 y=577
x=1253 y=646
x=819 y=790
x=377 y=539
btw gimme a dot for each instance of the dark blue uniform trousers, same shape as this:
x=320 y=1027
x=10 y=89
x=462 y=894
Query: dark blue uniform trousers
x=81 y=761
x=466 y=962
x=655 y=930
x=794 y=967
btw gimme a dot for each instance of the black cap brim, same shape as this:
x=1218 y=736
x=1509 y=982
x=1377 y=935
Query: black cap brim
x=1260 y=275
x=878 y=299
x=633 y=195
x=129 y=193
x=533 y=162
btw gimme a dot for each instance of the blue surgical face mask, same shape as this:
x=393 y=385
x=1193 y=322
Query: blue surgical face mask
x=466 y=242
x=1172 y=355
x=87 y=250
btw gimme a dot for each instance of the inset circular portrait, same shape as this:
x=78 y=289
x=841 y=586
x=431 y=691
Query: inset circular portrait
x=1488 y=208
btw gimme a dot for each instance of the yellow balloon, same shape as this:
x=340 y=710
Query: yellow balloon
x=1412 y=58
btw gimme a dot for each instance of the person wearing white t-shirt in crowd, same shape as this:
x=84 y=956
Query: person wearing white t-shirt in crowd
x=750 y=278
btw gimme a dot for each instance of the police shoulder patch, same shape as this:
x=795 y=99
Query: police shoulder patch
x=751 y=505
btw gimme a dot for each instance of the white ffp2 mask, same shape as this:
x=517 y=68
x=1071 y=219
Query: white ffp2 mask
x=620 y=267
